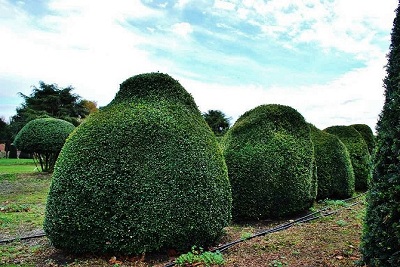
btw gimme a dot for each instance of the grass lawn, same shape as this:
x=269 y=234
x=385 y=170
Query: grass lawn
x=329 y=241
x=8 y=166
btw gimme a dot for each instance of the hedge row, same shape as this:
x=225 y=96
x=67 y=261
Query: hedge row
x=146 y=172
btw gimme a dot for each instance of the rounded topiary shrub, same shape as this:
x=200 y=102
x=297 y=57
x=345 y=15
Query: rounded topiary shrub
x=367 y=134
x=270 y=159
x=358 y=150
x=45 y=137
x=142 y=174
x=335 y=172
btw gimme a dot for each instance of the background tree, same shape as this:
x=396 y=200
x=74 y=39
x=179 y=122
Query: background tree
x=5 y=135
x=381 y=239
x=4 y=130
x=48 y=100
x=217 y=121
x=90 y=105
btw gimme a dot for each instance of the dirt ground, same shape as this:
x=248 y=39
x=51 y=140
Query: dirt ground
x=329 y=241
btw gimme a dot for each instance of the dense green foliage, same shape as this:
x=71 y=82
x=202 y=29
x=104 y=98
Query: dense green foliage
x=4 y=131
x=217 y=121
x=367 y=134
x=143 y=173
x=335 y=172
x=49 y=101
x=358 y=150
x=270 y=156
x=381 y=239
x=45 y=137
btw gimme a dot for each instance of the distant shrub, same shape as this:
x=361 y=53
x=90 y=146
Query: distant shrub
x=269 y=154
x=358 y=150
x=45 y=137
x=335 y=172
x=367 y=134
x=143 y=173
x=12 y=154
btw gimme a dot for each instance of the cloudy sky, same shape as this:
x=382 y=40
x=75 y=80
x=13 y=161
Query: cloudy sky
x=325 y=58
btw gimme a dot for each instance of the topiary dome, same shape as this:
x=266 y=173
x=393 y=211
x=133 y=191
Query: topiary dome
x=45 y=137
x=335 y=172
x=358 y=150
x=142 y=174
x=270 y=159
x=367 y=134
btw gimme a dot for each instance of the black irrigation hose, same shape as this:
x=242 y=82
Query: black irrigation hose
x=22 y=238
x=312 y=216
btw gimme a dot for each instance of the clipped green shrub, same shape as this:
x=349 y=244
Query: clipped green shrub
x=381 y=235
x=367 y=134
x=142 y=174
x=358 y=150
x=335 y=172
x=45 y=137
x=270 y=159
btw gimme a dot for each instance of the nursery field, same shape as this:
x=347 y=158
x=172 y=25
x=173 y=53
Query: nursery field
x=329 y=241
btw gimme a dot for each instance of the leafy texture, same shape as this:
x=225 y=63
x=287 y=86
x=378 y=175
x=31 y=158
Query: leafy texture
x=381 y=239
x=270 y=159
x=367 y=134
x=335 y=172
x=142 y=174
x=45 y=137
x=217 y=121
x=358 y=150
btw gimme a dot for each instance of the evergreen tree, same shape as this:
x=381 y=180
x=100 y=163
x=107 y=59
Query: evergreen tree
x=49 y=101
x=217 y=121
x=381 y=239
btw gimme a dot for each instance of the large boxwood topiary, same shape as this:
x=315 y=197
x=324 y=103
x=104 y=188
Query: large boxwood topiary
x=142 y=174
x=335 y=172
x=270 y=156
x=358 y=150
x=45 y=137
x=367 y=134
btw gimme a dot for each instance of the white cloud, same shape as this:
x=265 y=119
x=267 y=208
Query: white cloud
x=182 y=29
x=90 y=48
x=355 y=97
x=224 y=5
x=93 y=46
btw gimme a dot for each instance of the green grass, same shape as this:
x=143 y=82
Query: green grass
x=9 y=166
x=22 y=202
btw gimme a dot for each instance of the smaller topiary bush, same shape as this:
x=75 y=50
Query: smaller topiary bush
x=335 y=172
x=44 y=137
x=367 y=134
x=358 y=150
x=270 y=159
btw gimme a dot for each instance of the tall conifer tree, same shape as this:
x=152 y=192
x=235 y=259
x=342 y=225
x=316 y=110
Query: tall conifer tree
x=381 y=239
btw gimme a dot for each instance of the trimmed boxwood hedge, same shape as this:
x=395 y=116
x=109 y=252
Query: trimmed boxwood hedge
x=359 y=155
x=143 y=174
x=270 y=159
x=45 y=137
x=367 y=134
x=335 y=172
